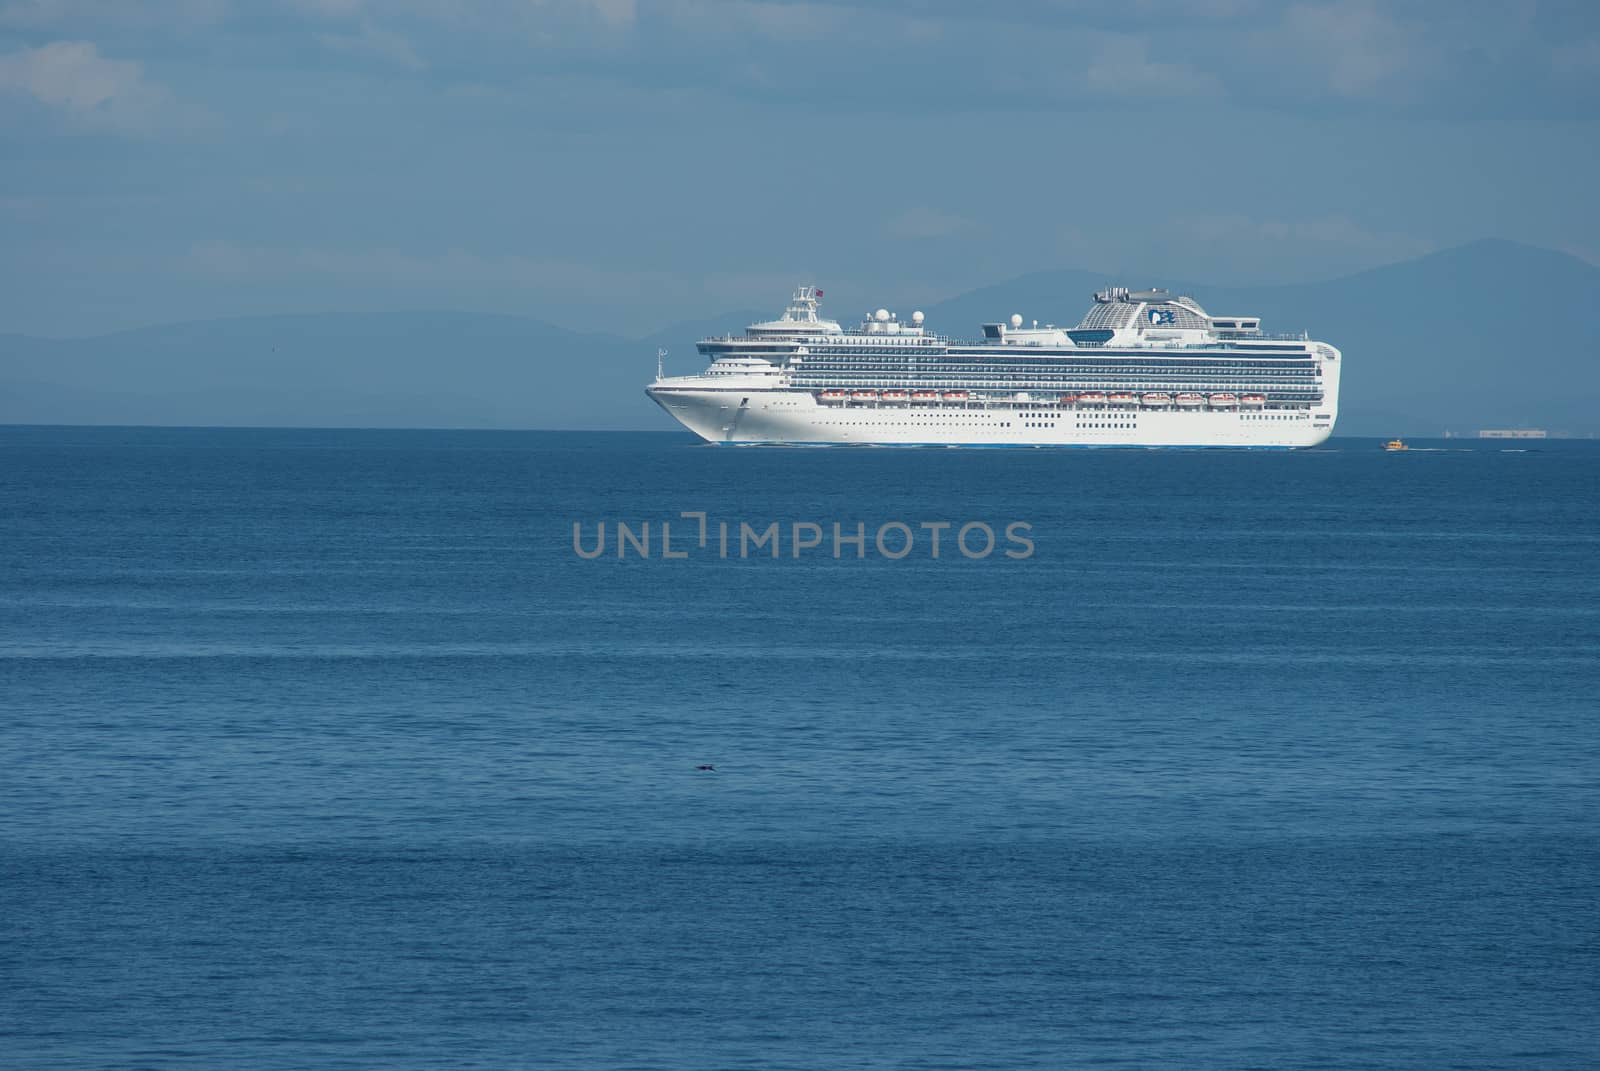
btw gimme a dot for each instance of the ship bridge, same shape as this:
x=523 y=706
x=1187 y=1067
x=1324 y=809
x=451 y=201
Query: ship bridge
x=799 y=320
x=801 y=333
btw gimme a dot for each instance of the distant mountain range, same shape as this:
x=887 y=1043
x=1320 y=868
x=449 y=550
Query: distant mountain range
x=1492 y=334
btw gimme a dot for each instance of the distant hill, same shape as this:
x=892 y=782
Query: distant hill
x=1491 y=334
x=1488 y=335
x=425 y=369
x=679 y=338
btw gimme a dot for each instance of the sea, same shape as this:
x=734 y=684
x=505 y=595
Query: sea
x=392 y=749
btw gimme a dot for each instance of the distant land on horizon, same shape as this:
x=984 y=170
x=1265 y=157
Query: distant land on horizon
x=1493 y=334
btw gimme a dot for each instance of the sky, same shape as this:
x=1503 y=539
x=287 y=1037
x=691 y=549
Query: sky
x=618 y=165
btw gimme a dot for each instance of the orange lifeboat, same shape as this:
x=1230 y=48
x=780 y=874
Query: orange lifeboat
x=1120 y=398
x=1069 y=399
x=894 y=395
x=924 y=395
x=1224 y=401
x=1255 y=400
x=835 y=395
x=955 y=395
x=1189 y=400
x=1156 y=400
x=1093 y=397
x=864 y=396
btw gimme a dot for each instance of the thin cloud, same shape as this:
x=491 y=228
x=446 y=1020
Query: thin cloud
x=1356 y=49
x=1469 y=59
x=1123 y=68
x=403 y=268
x=104 y=15
x=373 y=40
x=93 y=92
x=1577 y=59
x=793 y=22
x=1329 y=231
x=922 y=222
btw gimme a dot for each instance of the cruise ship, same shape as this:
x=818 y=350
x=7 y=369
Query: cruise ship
x=1144 y=368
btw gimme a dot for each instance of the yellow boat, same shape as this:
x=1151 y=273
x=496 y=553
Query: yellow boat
x=1395 y=444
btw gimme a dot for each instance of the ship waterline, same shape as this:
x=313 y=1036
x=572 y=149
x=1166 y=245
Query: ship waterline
x=1143 y=369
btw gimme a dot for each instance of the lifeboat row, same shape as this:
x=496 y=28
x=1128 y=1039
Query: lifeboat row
x=1092 y=398
x=1163 y=400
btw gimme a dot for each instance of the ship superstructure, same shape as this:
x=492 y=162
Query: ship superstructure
x=1142 y=368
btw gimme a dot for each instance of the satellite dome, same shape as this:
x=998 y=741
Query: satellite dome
x=1016 y=319
x=916 y=317
x=882 y=316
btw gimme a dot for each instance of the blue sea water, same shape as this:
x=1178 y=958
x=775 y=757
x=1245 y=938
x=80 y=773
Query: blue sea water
x=325 y=749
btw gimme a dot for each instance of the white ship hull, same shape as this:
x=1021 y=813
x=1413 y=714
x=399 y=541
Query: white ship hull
x=1143 y=369
x=761 y=415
